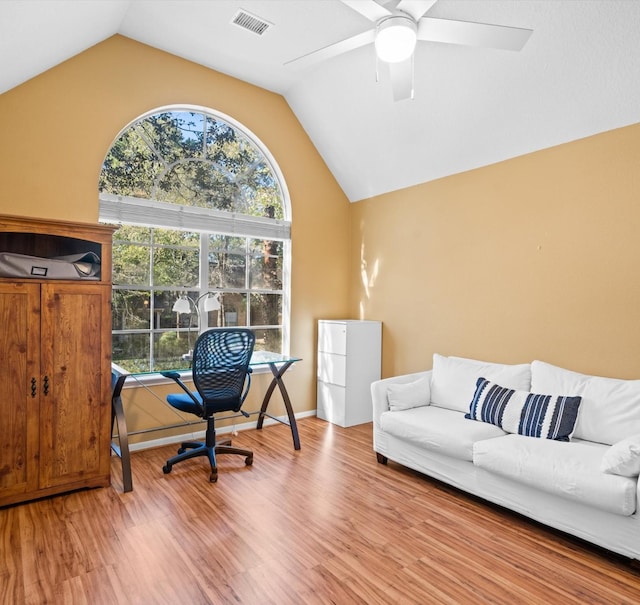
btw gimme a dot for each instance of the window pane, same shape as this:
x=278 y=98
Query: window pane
x=227 y=243
x=269 y=340
x=175 y=267
x=214 y=319
x=191 y=127
x=132 y=234
x=131 y=351
x=164 y=315
x=131 y=263
x=266 y=264
x=169 y=347
x=131 y=166
x=195 y=184
x=266 y=309
x=163 y=133
x=234 y=309
x=131 y=310
x=175 y=237
x=227 y=262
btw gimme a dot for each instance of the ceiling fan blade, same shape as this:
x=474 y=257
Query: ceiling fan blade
x=368 y=8
x=333 y=50
x=402 y=79
x=472 y=34
x=415 y=8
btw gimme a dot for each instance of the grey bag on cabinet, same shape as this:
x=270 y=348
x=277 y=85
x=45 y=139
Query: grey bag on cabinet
x=75 y=266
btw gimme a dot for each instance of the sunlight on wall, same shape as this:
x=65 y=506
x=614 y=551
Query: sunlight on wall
x=368 y=277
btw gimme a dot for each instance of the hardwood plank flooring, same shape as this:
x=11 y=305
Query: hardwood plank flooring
x=326 y=524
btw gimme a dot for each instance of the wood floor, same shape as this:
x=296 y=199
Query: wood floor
x=326 y=524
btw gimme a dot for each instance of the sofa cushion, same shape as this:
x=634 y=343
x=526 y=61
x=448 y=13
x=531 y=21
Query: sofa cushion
x=623 y=458
x=531 y=414
x=437 y=429
x=453 y=380
x=610 y=408
x=567 y=469
x=403 y=396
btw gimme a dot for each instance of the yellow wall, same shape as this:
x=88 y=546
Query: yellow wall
x=537 y=257
x=57 y=128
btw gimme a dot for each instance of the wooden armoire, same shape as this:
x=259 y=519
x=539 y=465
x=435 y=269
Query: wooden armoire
x=55 y=362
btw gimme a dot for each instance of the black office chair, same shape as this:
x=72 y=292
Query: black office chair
x=222 y=377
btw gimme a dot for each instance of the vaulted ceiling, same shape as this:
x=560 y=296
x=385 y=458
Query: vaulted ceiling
x=577 y=75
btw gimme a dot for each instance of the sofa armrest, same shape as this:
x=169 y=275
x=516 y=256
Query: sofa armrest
x=379 y=391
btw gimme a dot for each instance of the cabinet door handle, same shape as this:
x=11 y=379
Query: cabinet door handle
x=46 y=385
x=33 y=387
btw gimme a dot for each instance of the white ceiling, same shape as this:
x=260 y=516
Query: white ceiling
x=579 y=74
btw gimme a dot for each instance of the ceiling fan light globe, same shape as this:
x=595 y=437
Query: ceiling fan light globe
x=396 y=39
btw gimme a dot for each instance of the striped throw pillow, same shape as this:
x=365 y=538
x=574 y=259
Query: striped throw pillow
x=523 y=413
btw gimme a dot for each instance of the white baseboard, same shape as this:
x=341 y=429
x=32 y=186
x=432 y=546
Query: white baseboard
x=198 y=435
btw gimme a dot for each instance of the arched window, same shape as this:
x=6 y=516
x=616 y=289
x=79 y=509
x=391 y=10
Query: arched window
x=204 y=238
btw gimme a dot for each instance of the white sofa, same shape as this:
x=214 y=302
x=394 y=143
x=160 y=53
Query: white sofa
x=586 y=486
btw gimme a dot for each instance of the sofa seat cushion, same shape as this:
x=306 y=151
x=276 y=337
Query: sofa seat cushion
x=567 y=469
x=445 y=431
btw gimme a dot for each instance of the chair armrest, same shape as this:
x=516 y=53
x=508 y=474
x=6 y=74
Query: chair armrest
x=170 y=374
x=175 y=376
x=379 y=391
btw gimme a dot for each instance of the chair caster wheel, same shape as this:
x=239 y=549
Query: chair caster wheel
x=248 y=460
x=213 y=477
x=166 y=469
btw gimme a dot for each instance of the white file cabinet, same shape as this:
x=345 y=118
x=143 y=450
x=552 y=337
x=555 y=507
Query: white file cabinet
x=349 y=360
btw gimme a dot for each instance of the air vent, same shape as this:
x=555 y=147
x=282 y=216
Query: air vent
x=251 y=22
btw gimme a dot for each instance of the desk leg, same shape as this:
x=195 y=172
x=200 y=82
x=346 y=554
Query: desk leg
x=117 y=413
x=277 y=381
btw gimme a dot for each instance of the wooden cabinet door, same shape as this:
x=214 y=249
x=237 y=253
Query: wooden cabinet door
x=20 y=385
x=75 y=401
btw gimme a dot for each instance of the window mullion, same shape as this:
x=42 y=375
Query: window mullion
x=204 y=276
x=152 y=302
x=247 y=269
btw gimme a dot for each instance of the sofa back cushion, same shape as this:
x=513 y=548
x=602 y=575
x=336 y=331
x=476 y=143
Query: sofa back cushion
x=610 y=408
x=453 y=380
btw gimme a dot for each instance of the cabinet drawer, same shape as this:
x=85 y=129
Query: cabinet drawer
x=332 y=368
x=332 y=337
x=331 y=404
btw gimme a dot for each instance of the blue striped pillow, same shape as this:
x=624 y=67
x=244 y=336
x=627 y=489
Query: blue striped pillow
x=546 y=416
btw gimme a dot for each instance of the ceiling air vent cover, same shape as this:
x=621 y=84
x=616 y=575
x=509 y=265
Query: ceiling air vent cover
x=251 y=22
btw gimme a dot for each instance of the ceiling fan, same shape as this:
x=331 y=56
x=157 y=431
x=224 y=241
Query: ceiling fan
x=400 y=25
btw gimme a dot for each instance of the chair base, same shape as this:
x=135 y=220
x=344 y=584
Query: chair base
x=193 y=449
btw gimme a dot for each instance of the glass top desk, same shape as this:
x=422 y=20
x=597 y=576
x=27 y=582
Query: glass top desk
x=276 y=362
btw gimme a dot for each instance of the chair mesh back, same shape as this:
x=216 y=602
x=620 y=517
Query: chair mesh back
x=220 y=365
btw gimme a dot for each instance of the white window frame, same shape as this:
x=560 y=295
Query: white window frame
x=153 y=213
